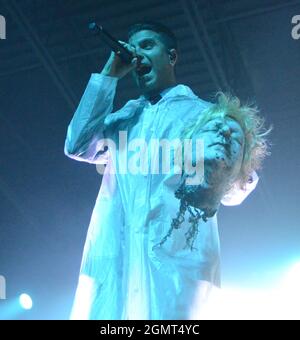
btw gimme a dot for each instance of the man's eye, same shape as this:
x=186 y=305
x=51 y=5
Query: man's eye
x=218 y=126
x=210 y=130
x=147 y=45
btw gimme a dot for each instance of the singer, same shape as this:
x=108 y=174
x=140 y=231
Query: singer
x=152 y=247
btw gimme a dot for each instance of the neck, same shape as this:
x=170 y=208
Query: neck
x=154 y=92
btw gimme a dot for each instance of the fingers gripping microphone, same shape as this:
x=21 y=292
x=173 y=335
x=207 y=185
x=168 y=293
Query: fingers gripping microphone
x=118 y=48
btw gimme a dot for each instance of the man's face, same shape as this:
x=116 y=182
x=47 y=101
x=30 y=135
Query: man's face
x=156 y=72
x=224 y=139
x=224 y=142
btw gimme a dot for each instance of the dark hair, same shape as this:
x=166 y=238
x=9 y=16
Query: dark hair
x=167 y=36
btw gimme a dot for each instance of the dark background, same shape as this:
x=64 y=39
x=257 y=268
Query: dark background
x=46 y=199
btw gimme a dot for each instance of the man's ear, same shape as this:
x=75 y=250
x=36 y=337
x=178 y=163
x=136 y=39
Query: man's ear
x=173 y=56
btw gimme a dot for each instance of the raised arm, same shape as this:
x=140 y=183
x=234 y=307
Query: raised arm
x=86 y=131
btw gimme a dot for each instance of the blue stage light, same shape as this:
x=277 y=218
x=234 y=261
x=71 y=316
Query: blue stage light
x=25 y=301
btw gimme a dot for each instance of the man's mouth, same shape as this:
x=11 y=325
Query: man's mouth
x=225 y=146
x=143 y=69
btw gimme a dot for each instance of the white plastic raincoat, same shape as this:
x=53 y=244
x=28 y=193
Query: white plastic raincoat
x=122 y=276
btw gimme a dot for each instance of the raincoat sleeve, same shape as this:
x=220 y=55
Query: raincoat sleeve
x=237 y=195
x=85 y=136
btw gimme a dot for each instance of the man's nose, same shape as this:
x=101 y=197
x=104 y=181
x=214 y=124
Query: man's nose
x=225 y=131
x=139 y=52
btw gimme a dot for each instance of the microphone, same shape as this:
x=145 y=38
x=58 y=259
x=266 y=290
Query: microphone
x=119 y=49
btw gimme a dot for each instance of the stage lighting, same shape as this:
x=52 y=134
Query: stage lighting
x=25 y=301
x=292 y=277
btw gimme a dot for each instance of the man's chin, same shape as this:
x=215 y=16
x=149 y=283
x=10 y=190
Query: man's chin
x=148 y=87
x=147 y=83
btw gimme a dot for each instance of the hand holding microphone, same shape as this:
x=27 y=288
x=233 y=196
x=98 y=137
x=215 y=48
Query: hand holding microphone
x=123 y=58
x=116 y=67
